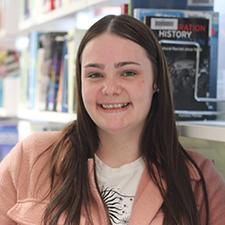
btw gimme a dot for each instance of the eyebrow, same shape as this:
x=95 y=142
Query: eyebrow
x=117 y=65
x=95 y=65
x=121 y=64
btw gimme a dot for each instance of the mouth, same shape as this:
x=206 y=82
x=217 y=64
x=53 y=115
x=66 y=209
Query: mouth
x=115 y=106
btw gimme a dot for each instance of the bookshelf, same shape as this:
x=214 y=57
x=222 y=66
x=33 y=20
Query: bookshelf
x=64 y=14
x=60 y=19
x=63 y=19
x=46 y=116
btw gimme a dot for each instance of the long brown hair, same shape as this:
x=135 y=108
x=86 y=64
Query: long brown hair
x=159 y=141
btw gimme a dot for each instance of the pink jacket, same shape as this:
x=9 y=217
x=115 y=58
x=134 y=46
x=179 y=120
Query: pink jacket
x=21 y=190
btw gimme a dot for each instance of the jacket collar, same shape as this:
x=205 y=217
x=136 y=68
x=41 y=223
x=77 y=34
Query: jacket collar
x=148 y=199
x=194 y=175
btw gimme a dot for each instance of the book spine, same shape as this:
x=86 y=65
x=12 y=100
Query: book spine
x=34 y=45
x=55 y=76
x=40 y=63
x=49 y=5
x=74 y=37
x=24 y=62
x=124 y=8
x=62 y=99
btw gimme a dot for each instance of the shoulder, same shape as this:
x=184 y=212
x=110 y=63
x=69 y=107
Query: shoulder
x=40 y=140
x=205 y=165
x=25 y=151
x=215 y=186
x=200 y=160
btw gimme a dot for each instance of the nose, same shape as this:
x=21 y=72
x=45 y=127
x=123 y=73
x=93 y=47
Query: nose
x=111 y=87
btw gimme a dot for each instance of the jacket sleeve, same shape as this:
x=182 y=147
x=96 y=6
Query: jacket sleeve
x=9 y=172
x=215 y=186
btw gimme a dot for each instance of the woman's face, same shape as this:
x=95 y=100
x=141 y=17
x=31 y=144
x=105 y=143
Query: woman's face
x=117 y=83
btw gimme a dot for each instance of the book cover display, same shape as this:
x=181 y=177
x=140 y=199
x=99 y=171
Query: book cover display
x=191 y=26
x=182 y=58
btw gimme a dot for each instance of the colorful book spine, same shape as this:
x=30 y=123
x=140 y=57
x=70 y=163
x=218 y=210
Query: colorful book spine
x=49 y=5
x=48 y=43
x=55 y=73
x=124 y=8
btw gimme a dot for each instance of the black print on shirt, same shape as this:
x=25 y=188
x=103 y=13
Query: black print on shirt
x=117 y=205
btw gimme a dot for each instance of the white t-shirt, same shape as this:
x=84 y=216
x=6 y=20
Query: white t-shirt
x=118 y=187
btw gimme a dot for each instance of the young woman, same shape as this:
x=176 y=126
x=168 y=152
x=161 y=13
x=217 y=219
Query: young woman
x=120 y=162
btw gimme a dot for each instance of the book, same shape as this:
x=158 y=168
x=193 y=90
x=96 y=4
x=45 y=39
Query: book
x=49 y=5
x=124 y=8
x=27 y=10
x=74 y=37
x=213 y=43
x=65 y=84
x=55 y=73
x=40 y=63
x=183 y=62
x=62 y=99
x=48 y=44
x=24 y=65
x=57 y=4
x=9 y=63
x=22 y=10
x=32 y=80
x=8 y=138
x=206 y=5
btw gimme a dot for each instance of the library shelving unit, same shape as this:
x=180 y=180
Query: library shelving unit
x=61 y=19
x=65 y=18
x=67 y=13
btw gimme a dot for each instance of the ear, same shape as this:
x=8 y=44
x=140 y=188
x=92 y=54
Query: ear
x=155 y=88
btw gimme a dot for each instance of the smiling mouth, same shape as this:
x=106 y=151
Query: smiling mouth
x=115 y=106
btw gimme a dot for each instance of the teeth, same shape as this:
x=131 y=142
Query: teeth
x=115 y=106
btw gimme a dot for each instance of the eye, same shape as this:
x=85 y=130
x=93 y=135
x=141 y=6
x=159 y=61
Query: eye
x=95 y=75
x=128 y=73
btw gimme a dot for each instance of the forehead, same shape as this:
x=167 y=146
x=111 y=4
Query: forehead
x=112 y=46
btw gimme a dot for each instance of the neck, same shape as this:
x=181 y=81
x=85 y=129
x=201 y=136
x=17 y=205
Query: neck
x=118 y=149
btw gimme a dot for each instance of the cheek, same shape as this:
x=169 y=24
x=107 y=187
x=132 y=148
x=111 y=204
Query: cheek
x=144 y=88
x=88 y=94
